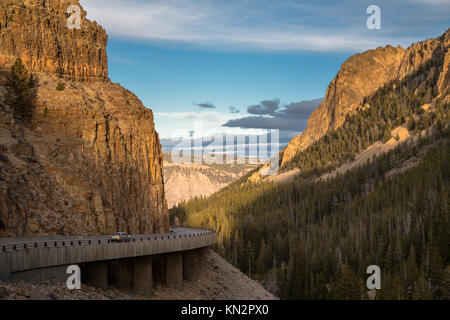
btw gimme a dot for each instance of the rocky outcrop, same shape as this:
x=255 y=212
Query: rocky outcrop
x=90 y=162
x=358 y=77
x=36 y=30
x=361 y=75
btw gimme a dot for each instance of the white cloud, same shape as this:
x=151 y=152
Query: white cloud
x=213 y=116
x=433 y=1
x=230 y=24
x=177 y=124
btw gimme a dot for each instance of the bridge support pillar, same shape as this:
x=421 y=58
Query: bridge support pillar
x=191 y=266
x=174 y=270
x=202 y=256
x=121 y=274
x=97 y=274
x=143 y=276
x=202 y=252
x=159 y=269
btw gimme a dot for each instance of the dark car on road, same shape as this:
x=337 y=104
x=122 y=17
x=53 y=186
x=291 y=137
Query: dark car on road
x=120 y=237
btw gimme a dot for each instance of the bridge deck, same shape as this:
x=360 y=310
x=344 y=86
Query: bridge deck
x=28 y=254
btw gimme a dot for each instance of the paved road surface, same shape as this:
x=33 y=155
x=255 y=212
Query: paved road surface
x=10 y=244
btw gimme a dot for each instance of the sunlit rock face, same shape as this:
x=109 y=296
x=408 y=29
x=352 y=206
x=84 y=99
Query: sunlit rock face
x=360 y=76
x=36 y=30
x=90 y=162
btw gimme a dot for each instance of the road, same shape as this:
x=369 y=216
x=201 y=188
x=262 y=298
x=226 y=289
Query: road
x=12 y=244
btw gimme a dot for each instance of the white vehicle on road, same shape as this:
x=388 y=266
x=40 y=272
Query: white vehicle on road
x=120 y=237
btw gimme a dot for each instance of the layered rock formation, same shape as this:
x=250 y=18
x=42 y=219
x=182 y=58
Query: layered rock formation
x=186 y=181
x=90 y=162
x=361 y=75
x=36 y=30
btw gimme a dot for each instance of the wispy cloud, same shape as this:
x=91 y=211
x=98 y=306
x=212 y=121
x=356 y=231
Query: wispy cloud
x=205 y=105
x=253 y=24
x=207 y=116
x=233 y=109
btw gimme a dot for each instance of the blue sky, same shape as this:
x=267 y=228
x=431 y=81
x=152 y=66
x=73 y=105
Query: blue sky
x=248 y=64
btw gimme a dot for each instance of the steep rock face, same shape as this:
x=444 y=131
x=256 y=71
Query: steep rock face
x=36 y=31
x=90 y=162
x=361 y=75
x=358 y=77
x=420 y=53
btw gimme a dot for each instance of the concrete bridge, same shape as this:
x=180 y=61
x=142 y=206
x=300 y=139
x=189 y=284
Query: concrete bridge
x=135 y=265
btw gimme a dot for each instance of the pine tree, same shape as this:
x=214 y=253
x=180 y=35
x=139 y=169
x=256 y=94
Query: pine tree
x=387 y=131
x=434 y=271
x=421 y=289
x=20 y=91
x=60 y=86
x=251 y=258
x=411 y=272
x=348 y=286
x=262 y=259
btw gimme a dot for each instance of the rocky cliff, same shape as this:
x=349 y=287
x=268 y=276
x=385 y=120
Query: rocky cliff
x=361 y=75
x=90 y=162
x=358 y=77
x=36 y=30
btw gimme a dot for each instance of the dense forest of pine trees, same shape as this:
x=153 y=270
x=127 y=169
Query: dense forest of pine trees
x=315 y=238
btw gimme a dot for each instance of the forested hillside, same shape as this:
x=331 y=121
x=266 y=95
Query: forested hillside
x=316 y=239
x=313 y=238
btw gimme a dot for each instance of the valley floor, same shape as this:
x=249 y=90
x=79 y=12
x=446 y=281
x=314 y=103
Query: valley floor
x=219 y=280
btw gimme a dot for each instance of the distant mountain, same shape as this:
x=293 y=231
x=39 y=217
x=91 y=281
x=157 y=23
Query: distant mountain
x=185 y=181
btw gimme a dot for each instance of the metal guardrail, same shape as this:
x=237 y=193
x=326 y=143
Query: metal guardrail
x=96 y=241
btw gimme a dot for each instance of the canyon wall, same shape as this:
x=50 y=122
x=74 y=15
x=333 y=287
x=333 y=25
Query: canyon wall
x=36 y=30
x=90 y=161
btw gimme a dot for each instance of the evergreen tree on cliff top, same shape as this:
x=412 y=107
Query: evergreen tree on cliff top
x=20 y=91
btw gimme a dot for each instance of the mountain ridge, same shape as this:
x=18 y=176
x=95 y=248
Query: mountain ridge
x=360 y=76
